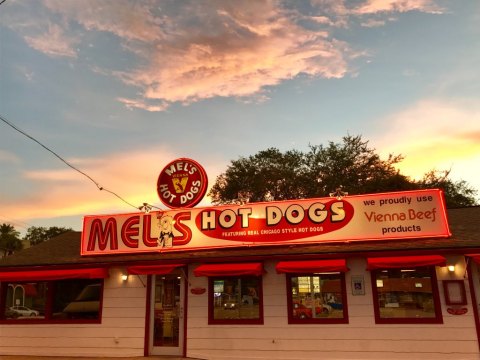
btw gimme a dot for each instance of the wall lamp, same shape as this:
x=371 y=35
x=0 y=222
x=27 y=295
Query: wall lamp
x=124 y=277
x=451 y=268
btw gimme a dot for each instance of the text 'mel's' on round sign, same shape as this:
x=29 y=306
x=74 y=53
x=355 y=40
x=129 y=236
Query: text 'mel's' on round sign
x=182 y=183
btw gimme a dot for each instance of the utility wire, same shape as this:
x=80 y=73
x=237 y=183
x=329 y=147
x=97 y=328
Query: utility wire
x=145 y=205
x=16 y=222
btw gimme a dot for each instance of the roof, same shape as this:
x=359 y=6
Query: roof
x=65 y=249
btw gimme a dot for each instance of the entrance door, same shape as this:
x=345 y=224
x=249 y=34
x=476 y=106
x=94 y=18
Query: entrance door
x=167 y=322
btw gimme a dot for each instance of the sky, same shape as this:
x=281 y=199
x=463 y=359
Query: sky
x=120 y=88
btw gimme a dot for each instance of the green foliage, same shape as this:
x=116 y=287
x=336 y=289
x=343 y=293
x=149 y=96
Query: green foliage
x=351 y=164
x=457 y=193
x=9 y=240
x=38 y=234
x=354 y=166
x=264 y=176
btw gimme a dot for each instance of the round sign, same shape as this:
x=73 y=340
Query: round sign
x=182 y=183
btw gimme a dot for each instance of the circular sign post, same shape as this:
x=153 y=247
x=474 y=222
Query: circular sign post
x=182 y=183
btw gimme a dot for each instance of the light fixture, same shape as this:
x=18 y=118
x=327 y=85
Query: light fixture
x=124 y=277
x=338 y=193
x=451 y=268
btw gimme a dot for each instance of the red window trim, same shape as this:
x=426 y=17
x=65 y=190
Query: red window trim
x=230 y=269
x=438 y=319
x=397 y=262
x=48 y=307
x=212 y=321
x=161 y=269
x=292 y=320
x=311 y=266
x=54 y=274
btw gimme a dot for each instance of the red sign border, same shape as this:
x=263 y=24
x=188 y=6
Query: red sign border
x=203 y=186
x=135 y=220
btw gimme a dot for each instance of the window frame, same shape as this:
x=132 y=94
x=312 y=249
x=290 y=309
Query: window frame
x=437 y=319
x=292 y=320
x=49 y=300
x=211 y=307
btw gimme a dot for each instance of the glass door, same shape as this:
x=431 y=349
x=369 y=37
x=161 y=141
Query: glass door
x=167 y=322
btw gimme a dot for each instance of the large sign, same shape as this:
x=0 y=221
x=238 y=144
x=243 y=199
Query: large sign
x=386 y=216
x=182 y=183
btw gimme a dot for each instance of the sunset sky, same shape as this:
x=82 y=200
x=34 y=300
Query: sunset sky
x=120 y=88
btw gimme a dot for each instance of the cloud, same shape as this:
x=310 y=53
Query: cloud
x=8 y=157
x=32 y=22
x=435 y=134
x=390 y=6
x=129 y=20
x=236 y=49
x=140 y=104
x=132 y=175
x=190 y=51
x=53 y=42
x=371 y=23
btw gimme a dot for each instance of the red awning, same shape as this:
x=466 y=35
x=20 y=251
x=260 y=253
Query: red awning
x=35 y=275
x=474 y=257
x=162 y=269
x=312 y=266
x=396 y=262
x=235 y=269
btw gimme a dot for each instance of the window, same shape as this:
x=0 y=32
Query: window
x=407 y=295
x=316 y=298
x=235 y=300
x=75 y=300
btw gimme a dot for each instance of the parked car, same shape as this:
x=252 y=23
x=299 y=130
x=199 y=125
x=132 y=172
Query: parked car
x=24 y=311
x=10 y=314
x=303 y=312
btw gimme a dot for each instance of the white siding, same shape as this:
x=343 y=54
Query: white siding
x=361 y=338
x=121 y=332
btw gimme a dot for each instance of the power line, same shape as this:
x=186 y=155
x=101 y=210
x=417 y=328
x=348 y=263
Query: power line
x=101 y=188
x=16 y=222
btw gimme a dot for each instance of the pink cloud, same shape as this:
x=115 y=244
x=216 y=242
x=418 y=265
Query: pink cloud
x=140 y=104
x=8 y=157
x=253 y=45
x=65 y=192
x=130 y=20
x=197 y=52
x=377 y=6
x=189 y=51
x=371 y=23
x=53 y=42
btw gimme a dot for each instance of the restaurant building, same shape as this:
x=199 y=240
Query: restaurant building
x=384 y=276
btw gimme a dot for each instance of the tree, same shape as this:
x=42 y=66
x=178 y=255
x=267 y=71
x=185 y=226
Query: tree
x=268 y=175
x=38 y=234
x=351 y=164
x=9 y=240
x=354 y=166
x=457 y=193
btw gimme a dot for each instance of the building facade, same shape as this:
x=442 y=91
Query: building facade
x=414 y=298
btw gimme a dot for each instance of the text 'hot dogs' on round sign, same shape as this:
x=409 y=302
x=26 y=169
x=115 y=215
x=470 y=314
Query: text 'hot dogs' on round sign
x=182 y=183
